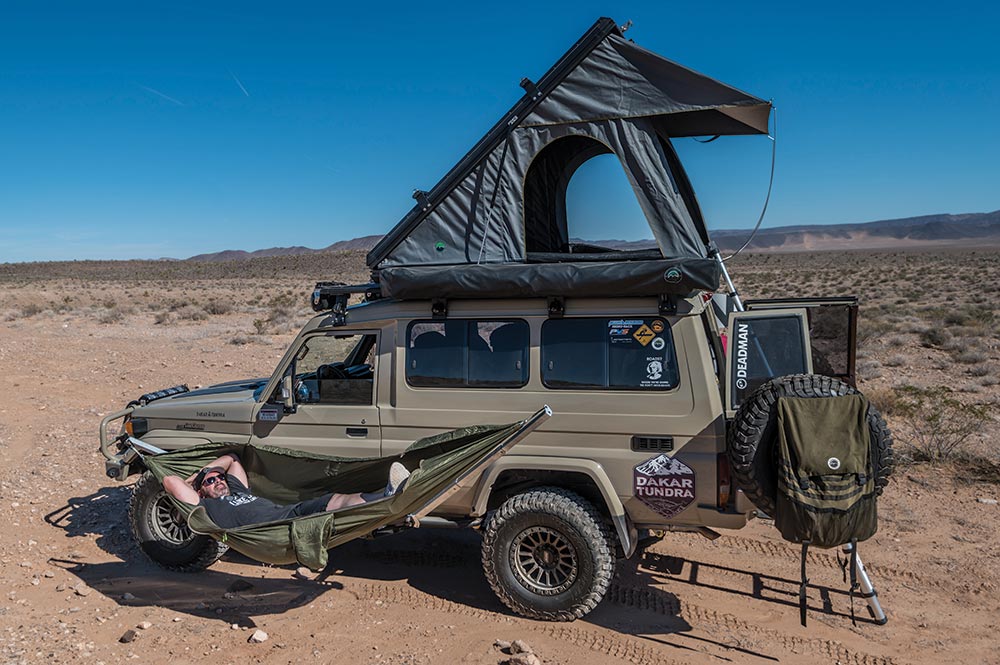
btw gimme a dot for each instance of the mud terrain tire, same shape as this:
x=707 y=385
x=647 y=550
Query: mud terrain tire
x=752 y=438
x=546 y=554
x=162 y=536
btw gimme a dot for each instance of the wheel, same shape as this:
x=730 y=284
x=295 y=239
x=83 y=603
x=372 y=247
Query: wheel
x=546 y=554
x=752 y=438
x=162 y=534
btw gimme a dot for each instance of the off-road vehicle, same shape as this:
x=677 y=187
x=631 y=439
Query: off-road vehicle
x=481 y=310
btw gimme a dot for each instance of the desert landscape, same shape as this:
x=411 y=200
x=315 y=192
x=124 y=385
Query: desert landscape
x=80 y=339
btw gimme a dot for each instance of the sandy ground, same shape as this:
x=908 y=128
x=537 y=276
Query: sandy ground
x=73 y=581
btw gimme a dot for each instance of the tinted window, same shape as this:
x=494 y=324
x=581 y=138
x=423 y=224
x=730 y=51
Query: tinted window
x=626 y=354
x=478 y=354
x=765 y=348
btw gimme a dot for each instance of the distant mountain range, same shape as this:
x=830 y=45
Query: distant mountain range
x=972 y=229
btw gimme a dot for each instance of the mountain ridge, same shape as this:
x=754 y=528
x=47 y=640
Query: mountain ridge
x=944 y=229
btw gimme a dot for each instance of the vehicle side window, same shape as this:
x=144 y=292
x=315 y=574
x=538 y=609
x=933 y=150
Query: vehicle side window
x=335 y=369
x=616 y=354
x=470 y=354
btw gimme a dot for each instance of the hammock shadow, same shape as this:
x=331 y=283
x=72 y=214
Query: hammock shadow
x=749 y=583
x=211 y=594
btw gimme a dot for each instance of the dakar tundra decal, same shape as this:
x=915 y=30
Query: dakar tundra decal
x=664 y=484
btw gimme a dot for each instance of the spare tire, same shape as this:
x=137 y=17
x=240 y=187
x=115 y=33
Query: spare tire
x=752 y=438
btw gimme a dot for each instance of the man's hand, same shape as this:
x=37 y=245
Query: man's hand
x=228 y=462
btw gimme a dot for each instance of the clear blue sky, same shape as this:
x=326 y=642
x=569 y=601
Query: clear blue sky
x=129 y=130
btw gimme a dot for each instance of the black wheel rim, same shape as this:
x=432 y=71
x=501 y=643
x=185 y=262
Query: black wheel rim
x=544 y=561
x=167 y=522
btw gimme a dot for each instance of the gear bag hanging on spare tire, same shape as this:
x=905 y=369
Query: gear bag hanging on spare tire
x=826 y=494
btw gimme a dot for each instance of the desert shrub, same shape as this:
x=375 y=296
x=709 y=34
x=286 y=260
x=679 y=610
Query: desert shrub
x=260 y=326
x=897 y=360
x=980 y=370
x=31 y=309
x=191 y=313
x=937 y=426
x=217 y=307
x=896 y=340
x=163 y=317
x=935 y=337
x=884 y=399
x=971 y=356
x=869 y=369
x=241 y=340
x=112 y=315
x=870 y=329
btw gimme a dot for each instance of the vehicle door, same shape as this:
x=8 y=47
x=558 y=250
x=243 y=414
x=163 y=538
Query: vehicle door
x=333 y=409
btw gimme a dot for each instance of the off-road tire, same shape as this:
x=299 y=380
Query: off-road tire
x=752 y=438
x=546 y=554
x=163 y=538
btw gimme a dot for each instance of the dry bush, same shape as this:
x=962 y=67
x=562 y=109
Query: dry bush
x=31 y=309
x=938 y=337
x=972 y=356
x=162 y=318
x=191 y=313
x=217 y=307
x=937 y=426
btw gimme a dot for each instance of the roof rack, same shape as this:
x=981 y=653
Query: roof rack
x=333 y=297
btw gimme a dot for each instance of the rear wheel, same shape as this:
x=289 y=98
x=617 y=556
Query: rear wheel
x=163 y=535
x=546 y=554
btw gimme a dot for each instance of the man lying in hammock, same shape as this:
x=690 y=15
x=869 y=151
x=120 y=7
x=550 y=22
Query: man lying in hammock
x=223 y=489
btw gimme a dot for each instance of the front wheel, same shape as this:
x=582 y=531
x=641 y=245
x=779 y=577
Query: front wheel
x=546 y=554
x=163 y=535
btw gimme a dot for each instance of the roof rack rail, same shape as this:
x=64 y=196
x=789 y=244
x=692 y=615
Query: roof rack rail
x=333 y=296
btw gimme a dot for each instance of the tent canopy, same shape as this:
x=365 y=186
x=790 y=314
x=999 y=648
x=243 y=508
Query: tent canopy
x=505 y=201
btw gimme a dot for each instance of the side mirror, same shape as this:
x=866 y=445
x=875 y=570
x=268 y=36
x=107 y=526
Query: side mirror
x=287 y=396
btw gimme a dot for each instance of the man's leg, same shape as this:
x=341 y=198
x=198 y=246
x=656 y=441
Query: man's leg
x=338 y=501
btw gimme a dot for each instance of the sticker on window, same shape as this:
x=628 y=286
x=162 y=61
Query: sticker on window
x=664 y=484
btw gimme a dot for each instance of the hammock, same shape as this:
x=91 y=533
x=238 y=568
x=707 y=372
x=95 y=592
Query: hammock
x=440 y=465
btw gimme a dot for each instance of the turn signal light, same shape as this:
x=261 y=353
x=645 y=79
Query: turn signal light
x=724 y=480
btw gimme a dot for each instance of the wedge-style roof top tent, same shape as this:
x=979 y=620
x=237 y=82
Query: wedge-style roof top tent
x=495 y=225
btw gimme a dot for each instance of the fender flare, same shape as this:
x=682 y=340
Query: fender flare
x=627 y=534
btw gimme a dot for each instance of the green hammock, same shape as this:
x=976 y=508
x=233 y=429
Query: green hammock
x=440 y=464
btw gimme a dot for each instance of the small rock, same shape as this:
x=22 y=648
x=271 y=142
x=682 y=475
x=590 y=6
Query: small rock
x=258 y=637
x=128 y=596
x=239 y=585
x=60 y=587
x=524 y=659
x=303 y=573
x=25 y=564
x=48 y=573
x=987 y=501
x=128 y=636
x=177 y=619
x=144 y=625
x=82 y=589
x=520 y=646
x=503 y=645
x=235 y=626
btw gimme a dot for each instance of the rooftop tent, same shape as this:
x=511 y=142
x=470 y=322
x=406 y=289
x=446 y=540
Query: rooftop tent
x=503 y=205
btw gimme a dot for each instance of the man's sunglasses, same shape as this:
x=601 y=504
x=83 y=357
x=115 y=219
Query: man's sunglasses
x=211 y=480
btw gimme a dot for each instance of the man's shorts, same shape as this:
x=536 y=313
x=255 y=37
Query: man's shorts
x=310 y=506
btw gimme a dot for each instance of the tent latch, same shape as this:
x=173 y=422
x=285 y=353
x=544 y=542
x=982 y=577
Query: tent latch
x=439 y=308
x=557 y=307
x=420 y=196
x=667 y=305
x=530 y=87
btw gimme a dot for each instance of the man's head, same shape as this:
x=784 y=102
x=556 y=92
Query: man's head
x=211 y=482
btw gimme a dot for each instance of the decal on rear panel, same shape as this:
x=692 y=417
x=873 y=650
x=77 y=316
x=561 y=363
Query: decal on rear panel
x=664 y=484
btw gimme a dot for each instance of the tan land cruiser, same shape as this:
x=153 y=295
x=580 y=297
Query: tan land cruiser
x=482 y=309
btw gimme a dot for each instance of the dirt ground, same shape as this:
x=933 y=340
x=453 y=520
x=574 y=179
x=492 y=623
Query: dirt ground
x=73 y=581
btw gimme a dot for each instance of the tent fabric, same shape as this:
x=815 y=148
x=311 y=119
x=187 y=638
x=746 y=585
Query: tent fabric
x=593 y=280
x=506 y=198
x=288 y=476
x=484 y=218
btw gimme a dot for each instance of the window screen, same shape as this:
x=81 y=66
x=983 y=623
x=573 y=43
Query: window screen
x=625 y=354
x=462 y=353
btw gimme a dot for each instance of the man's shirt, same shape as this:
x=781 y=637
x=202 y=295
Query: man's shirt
x=240 y=507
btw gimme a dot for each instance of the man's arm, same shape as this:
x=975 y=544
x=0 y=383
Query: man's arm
x=231 y=464
x=181 y=490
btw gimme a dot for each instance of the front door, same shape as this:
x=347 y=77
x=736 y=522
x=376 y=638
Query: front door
x=333 y=385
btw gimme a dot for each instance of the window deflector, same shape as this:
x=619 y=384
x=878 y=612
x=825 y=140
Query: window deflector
x=761 y=346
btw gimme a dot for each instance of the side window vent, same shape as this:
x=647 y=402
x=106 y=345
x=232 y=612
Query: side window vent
x=642 y=444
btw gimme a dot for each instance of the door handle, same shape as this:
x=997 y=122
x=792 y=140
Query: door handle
x=359 y=432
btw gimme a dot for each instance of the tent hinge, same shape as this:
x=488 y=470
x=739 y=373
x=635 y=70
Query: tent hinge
x=420 y=196
x=557 y=307
x=667 y=305
x=530 y=87
x=439 y=308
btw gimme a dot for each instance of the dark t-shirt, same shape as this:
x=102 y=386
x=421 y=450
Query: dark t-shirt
x=240 y=507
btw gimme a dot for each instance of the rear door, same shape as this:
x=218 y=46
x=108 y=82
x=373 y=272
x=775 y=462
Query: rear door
x=763 y=345
x=335 y=407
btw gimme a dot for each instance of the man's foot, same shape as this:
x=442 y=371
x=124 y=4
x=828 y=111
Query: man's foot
x=397 y=478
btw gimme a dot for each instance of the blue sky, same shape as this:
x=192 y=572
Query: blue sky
x=142 y=130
